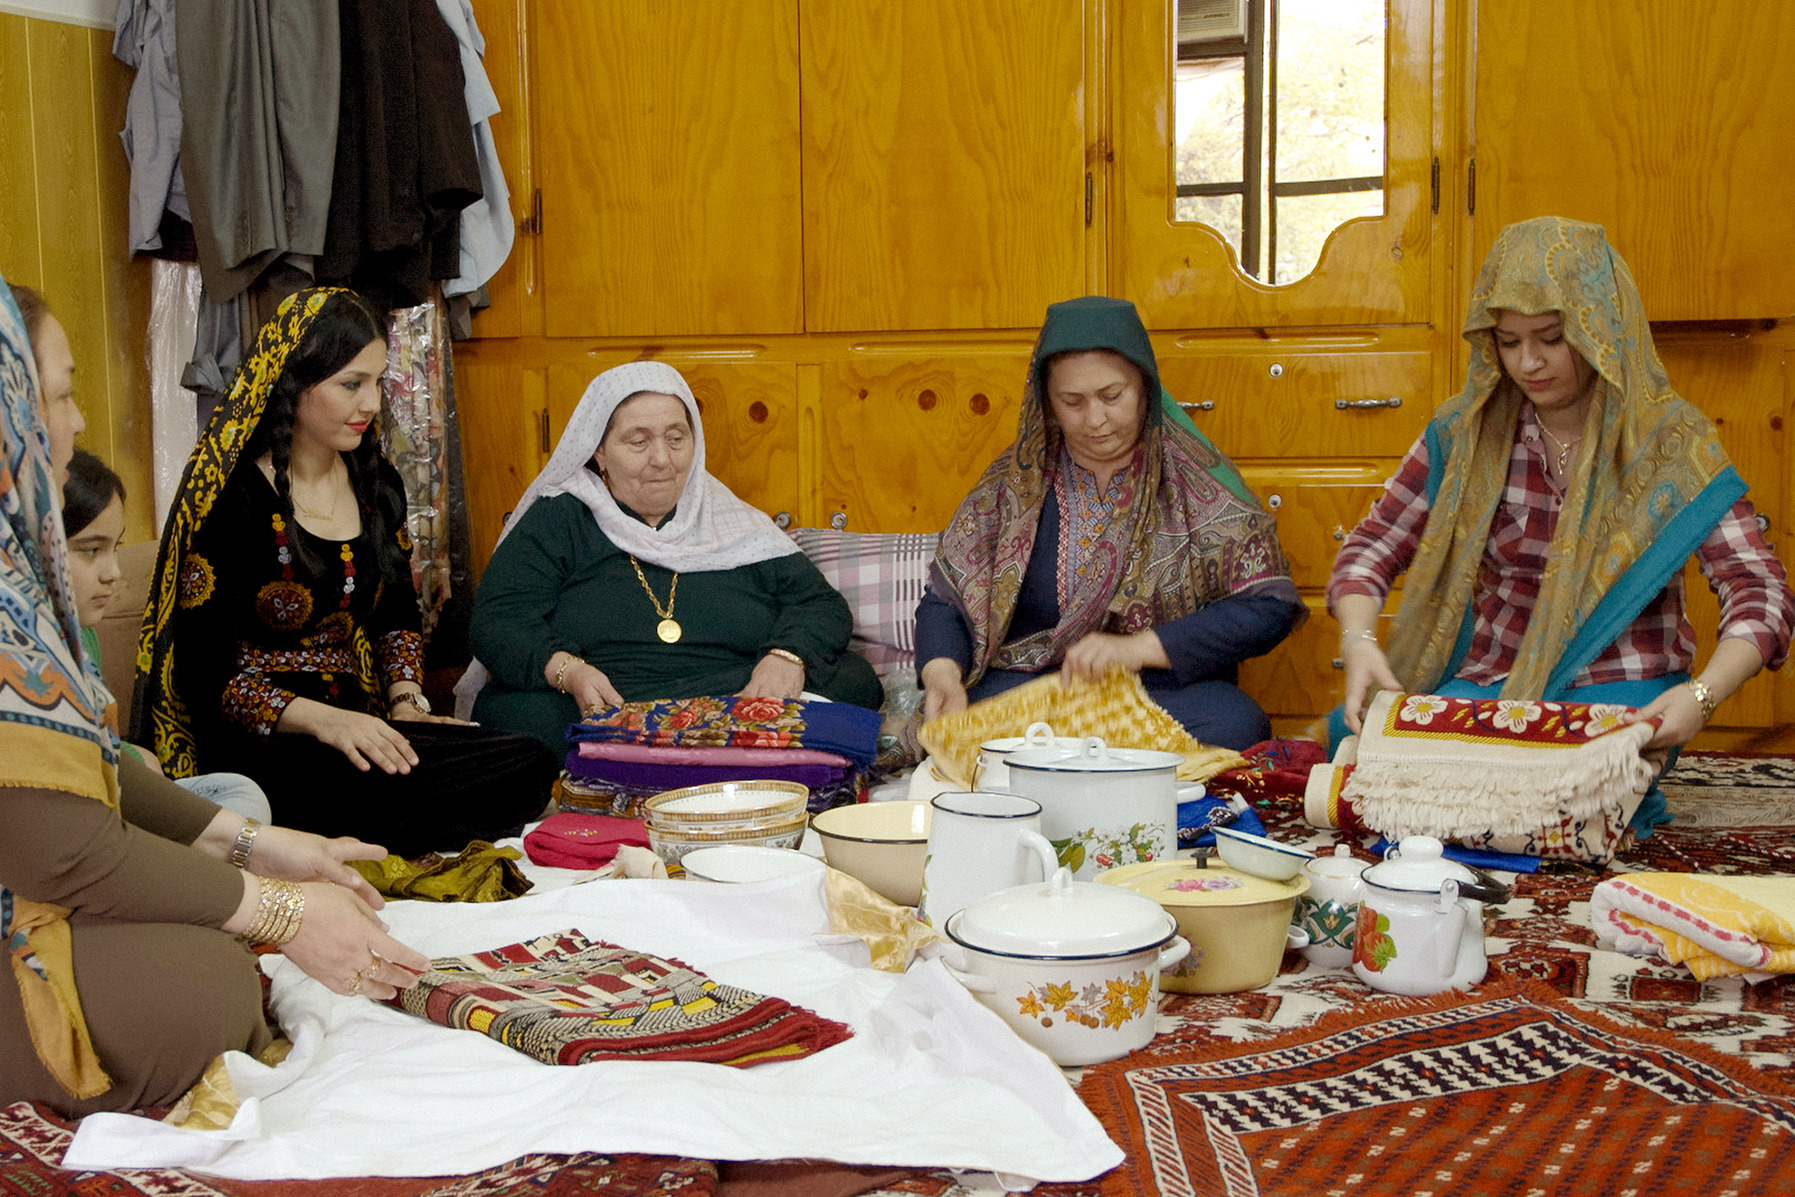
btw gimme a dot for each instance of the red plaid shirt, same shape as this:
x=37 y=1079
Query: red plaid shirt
x=1755 y=602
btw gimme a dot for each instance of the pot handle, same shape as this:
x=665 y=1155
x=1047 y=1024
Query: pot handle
x=1037 y=735
x=1050 y=861
x=1173 y=953
x=1295 y=938
x=971 y=981
x=1454 y=931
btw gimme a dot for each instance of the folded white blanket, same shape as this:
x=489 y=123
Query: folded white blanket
x=930 y=1079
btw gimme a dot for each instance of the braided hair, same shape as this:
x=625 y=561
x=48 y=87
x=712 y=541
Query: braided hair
x=343 y=327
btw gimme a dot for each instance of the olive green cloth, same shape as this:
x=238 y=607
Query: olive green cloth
x=558 y=584
x=479 y=873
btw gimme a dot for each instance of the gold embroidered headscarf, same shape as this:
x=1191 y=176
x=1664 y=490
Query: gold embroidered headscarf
x=56 y=716
x=159 y=715
x=1645 y=457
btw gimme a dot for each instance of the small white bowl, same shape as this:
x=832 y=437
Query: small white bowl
x=739 y=863
x=1259 y=856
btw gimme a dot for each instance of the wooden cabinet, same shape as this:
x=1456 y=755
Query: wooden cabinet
x=944 y=162
x=1667 y=123
x=1184 y=275
x=667 y=149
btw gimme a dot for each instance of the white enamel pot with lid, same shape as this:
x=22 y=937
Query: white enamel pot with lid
x=1418 y=933
x=1101 y=807
x=1072 y=967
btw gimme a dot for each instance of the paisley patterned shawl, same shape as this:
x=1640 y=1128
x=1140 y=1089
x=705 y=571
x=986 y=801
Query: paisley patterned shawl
x=159 y=714
x=56 y=716
x=1189 y=531
x=1646 y=459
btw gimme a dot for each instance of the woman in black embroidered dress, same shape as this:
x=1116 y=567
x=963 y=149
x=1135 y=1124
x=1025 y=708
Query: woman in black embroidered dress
x=282 y=637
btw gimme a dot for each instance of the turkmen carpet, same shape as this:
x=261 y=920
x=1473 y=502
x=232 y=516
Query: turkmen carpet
x=1728 y=789
x=1508 y=1090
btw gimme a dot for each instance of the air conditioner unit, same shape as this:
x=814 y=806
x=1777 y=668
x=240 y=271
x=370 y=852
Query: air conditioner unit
x=1211 y=20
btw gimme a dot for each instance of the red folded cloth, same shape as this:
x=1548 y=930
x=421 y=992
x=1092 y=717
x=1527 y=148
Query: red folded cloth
x=570 y=840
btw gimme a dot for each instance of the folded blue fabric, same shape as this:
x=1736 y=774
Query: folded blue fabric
x=1196 y=818
x=1511 y=862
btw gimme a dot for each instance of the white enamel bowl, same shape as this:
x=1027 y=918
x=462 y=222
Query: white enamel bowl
x=1259 y=856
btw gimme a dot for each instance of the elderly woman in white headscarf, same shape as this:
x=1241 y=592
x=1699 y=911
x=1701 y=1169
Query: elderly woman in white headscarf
x=627 y=572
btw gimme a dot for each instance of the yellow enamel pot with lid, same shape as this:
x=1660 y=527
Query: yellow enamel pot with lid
x=1238 y=925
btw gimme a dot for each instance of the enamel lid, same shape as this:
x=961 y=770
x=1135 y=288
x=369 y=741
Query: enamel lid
x=1341 y=866
x=1093 y=756
x=1062 y=918
x=1416 y=865
x=1189 y=883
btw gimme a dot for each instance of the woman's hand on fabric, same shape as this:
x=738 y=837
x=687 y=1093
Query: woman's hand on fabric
x=404 y=712
x=290 y=855
x=1682 y=717
x=943 y=690
x=590 y=688
x=1366 y=666
x=1099 y=652
x=365 y=739
x=774 y=677
x=343 y=945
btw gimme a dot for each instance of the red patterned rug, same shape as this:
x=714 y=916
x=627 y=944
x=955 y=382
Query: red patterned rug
x=1509 y=1090
x=32 y=1142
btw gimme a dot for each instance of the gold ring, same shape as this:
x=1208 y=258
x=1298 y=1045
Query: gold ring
x=355 y=983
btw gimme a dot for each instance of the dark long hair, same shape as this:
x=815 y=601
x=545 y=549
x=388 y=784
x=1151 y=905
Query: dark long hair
x=343 y=327
x=90 y=490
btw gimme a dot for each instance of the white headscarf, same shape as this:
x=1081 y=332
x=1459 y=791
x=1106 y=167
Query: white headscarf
x=711 y=529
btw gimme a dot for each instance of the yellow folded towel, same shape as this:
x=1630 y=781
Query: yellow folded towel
x=1718 y=926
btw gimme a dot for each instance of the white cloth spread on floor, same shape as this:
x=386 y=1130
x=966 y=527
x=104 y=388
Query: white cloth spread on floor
x=931 y=1078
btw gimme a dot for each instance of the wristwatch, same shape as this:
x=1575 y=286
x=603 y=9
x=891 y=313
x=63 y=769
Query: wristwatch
x=415 y=698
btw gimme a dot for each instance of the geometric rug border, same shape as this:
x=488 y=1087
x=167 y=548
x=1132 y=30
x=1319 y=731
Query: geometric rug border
x=1111 y=1095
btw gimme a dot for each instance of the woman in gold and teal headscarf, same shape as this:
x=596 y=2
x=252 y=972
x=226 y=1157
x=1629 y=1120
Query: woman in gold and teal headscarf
x=1111 y=534
x=120 y=908
x=1545 y=516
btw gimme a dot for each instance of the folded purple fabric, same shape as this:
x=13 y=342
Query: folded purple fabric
x=636 y=775
x=593 y=750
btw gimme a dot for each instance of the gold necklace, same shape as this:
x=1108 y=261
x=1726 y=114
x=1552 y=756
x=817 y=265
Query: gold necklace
x=668 y=629
x=336 y=494
x=1564 y=449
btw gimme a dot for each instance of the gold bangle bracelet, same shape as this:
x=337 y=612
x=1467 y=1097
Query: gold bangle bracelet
x=561 y=673
x=1703 y=695
x=785 y=654
x=279 y=909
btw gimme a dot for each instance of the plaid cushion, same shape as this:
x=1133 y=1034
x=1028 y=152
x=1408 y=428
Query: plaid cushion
x=882 y=575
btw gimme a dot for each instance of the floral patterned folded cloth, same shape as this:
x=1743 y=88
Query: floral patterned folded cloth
x=1550 y=779
x=736 y=721
x=593 y=750
x=565 y=999
x=1719 y=926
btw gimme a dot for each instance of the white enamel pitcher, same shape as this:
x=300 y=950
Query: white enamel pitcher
x=980 y=843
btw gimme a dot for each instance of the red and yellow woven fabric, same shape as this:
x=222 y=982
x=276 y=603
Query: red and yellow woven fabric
x=564 y=999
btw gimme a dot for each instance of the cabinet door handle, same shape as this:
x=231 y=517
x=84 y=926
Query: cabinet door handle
x=1339 y=531
x=783 y=520
x=1362 y=404
x=1205 y=405
x=542 y=432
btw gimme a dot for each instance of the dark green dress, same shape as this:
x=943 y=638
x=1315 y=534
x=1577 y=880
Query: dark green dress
x=557 y=583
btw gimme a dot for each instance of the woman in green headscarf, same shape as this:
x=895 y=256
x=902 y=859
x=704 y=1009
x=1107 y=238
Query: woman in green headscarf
x=1545 y=515
x=1111 y=534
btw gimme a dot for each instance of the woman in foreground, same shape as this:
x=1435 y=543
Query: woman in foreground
x=123 y=896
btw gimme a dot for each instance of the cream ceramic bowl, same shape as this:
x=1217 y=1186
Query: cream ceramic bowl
x=743 y=864
x=882 y=843
x=1238 y=925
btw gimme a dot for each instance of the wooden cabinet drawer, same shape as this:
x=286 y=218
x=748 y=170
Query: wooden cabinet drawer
x=1300 y=676
x=1290 y=404
x=1316 y=504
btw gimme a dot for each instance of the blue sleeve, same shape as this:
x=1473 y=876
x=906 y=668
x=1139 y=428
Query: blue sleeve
x=1212 y=641
x=941 y=632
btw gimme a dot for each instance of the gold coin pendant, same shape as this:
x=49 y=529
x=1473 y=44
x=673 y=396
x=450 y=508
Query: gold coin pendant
x=668 y=630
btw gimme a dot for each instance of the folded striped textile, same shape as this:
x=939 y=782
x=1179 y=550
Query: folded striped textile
x=640 y=774
x=564 y=999
x=593 y=750
x=736 y=721
x=1549 y=779
x=1719 y=926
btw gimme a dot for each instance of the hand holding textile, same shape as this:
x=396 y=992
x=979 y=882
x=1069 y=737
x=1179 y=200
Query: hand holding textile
x=1366 y=667
x=944 y=693
x=291 y=855
x=365 y=739
x=1099 y=652
x=591 y=688
x=1735 y=660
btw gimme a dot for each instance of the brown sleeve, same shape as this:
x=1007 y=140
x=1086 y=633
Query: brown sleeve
x=159 y=806
x=72 y=851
